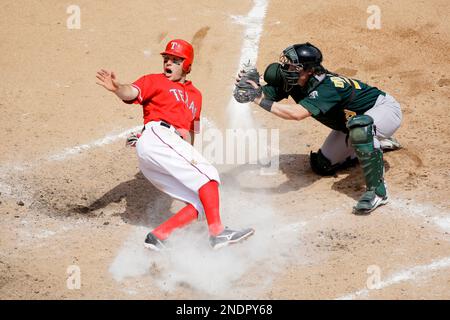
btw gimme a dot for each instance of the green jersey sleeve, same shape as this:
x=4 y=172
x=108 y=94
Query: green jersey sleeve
x=274 y=93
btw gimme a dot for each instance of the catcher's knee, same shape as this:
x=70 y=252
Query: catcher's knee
x=320 y=164
x=361 y=130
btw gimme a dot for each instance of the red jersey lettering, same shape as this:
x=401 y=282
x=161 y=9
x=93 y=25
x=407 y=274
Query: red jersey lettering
x=176 y=103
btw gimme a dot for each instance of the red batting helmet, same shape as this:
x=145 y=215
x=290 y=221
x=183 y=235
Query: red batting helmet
x=182 y=49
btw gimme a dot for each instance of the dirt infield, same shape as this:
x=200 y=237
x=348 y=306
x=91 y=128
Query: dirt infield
x=71 y=194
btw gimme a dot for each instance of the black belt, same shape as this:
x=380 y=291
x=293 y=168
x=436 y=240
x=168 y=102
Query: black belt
x=168 y=126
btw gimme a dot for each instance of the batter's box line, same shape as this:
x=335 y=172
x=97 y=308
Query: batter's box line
x=71 y=152
x=439 y=215
x=402 y=276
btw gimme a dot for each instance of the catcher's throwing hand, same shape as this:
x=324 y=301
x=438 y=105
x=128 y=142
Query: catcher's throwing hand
x=107 y=80
x=247 y=87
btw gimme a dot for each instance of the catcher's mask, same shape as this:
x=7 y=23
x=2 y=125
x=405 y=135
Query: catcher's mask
x=299 y=57
x=182 y=49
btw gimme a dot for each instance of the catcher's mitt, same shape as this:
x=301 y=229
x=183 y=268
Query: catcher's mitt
x=244 y=92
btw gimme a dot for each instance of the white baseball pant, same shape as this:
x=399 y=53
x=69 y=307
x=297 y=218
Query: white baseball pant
x=173 y=165
x=387 y=117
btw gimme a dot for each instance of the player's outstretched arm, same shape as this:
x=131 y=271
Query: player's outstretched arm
x=289 y=111
x=108 y=80
x=282 y=110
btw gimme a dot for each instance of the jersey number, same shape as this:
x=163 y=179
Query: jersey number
x=339 y=82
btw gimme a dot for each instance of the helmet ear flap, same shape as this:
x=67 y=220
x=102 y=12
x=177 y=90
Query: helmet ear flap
x=186 y=66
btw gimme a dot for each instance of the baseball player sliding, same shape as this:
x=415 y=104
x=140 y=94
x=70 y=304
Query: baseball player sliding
x=172 y=106
x=362 y=118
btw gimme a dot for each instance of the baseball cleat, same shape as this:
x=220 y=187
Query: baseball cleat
x=153 y=243
x=390 y=144
x=368 y=202
x=228 y=236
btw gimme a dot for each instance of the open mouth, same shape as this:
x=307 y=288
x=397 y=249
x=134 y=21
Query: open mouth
x=168 y=71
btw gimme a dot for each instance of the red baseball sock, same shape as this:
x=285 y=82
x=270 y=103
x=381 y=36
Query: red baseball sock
x=178 y=220
x=209 y=196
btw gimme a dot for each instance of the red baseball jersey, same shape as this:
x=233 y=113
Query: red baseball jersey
x=174 y=102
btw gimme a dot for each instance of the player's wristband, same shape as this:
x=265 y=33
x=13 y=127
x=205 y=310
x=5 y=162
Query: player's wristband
x=266 y=104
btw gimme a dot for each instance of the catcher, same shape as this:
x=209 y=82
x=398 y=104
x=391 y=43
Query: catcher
x=362 y=118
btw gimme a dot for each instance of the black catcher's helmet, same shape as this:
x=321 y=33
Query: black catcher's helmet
x=303 y=56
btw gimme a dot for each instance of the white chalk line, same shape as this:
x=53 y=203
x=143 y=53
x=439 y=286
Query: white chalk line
x=425 y=212
x=240 y=114
x=6 y=170
x=12 y=189
x=79 y=149
x=405 y=275
x=108 y=139
x=69 y=152
x=439 y=215
x=252 y=34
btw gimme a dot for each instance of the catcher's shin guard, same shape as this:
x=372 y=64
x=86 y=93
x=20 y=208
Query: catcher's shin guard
x=361 y=134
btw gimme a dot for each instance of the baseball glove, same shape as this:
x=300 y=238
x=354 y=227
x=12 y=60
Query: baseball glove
x=132 y=139
x=245 y=92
